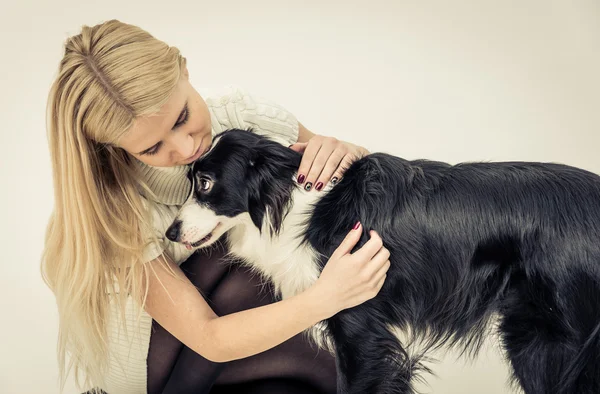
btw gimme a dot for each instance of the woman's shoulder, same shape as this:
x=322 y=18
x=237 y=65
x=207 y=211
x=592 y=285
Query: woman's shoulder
x=228 y=94
x=234 y=107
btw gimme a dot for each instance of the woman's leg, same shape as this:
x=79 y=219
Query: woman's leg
x=205 y=269
x=173 y=367
x=295 y=359
x=267 y=386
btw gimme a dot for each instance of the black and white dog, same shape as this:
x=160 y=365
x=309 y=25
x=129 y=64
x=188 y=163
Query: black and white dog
x=516 y=241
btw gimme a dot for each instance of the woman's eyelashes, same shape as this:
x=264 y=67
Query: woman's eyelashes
x=153 y=150
x=183 y=118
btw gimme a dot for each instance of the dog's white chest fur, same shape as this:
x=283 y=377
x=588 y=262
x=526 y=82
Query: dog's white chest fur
x=289 y=263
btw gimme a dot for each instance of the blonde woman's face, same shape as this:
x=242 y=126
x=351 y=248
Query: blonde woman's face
x=179 y=134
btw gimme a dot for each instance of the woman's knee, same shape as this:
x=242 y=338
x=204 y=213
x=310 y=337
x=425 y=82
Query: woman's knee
x=206 y=268
x=239 y=290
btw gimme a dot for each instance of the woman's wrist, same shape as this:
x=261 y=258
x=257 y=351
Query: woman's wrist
x=317 y=302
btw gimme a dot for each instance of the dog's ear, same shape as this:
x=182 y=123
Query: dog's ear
x=267 y=151
x=270 y=179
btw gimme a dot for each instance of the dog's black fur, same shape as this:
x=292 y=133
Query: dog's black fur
x=520 y=240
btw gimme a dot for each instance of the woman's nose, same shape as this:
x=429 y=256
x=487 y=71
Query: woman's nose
x=183 y=144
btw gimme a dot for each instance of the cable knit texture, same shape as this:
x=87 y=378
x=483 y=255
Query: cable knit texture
x=128 y=349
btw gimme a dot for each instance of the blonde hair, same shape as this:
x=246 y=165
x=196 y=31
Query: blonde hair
x=110 y=74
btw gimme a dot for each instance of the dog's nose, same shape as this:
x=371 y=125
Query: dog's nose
x=173 y=231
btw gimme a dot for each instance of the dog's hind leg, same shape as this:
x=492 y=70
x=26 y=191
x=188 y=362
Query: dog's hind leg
x=369 y=357
x=553 y=342
x=542 y=366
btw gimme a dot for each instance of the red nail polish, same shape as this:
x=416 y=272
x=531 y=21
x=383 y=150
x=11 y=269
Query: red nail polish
x=319 y=186
x=356 y=226
x=301 y=178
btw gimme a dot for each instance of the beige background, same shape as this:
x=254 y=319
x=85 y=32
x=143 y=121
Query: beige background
x=447 y=80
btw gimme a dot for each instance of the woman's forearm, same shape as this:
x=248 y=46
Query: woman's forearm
x=175 y=303
x=253 y=331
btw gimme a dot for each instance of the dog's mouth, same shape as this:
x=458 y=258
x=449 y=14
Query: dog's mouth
x=203 y=240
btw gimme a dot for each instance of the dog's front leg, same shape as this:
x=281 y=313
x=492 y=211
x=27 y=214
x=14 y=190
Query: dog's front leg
x=369 y=357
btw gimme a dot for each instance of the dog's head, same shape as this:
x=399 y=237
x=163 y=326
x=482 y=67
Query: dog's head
x=242 y=174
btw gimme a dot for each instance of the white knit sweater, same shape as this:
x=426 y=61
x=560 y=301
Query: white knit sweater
x=232 y=109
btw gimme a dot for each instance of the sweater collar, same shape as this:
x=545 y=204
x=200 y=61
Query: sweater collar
x=170 y=185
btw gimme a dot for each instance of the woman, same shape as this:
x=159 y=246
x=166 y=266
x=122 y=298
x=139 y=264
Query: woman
x=124 y=124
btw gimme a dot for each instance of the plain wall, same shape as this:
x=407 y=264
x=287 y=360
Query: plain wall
x=446 y=80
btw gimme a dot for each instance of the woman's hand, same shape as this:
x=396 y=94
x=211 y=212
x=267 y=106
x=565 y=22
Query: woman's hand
x=325 y=159
x=349 y=279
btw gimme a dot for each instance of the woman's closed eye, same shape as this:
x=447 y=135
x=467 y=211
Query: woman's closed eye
x=183 y=118
x=153 y=150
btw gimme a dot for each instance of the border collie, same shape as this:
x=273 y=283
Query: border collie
x=512 y=240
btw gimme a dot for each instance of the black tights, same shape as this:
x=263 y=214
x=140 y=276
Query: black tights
x=294 y=367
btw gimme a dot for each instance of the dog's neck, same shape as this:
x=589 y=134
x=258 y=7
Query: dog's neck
x=283 y=257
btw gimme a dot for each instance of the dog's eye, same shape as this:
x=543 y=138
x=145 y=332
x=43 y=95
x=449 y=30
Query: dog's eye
x=205 y=184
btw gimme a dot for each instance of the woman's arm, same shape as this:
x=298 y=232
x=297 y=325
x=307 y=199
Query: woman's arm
x=347 y=280
x=185 y=314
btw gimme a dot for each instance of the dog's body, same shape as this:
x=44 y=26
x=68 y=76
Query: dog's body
x=517 y=240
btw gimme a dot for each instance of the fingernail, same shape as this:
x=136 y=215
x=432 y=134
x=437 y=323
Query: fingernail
x=319 y=186
x=308 y=186
x=334 y=180
x=301 y=179
x=356 y=226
